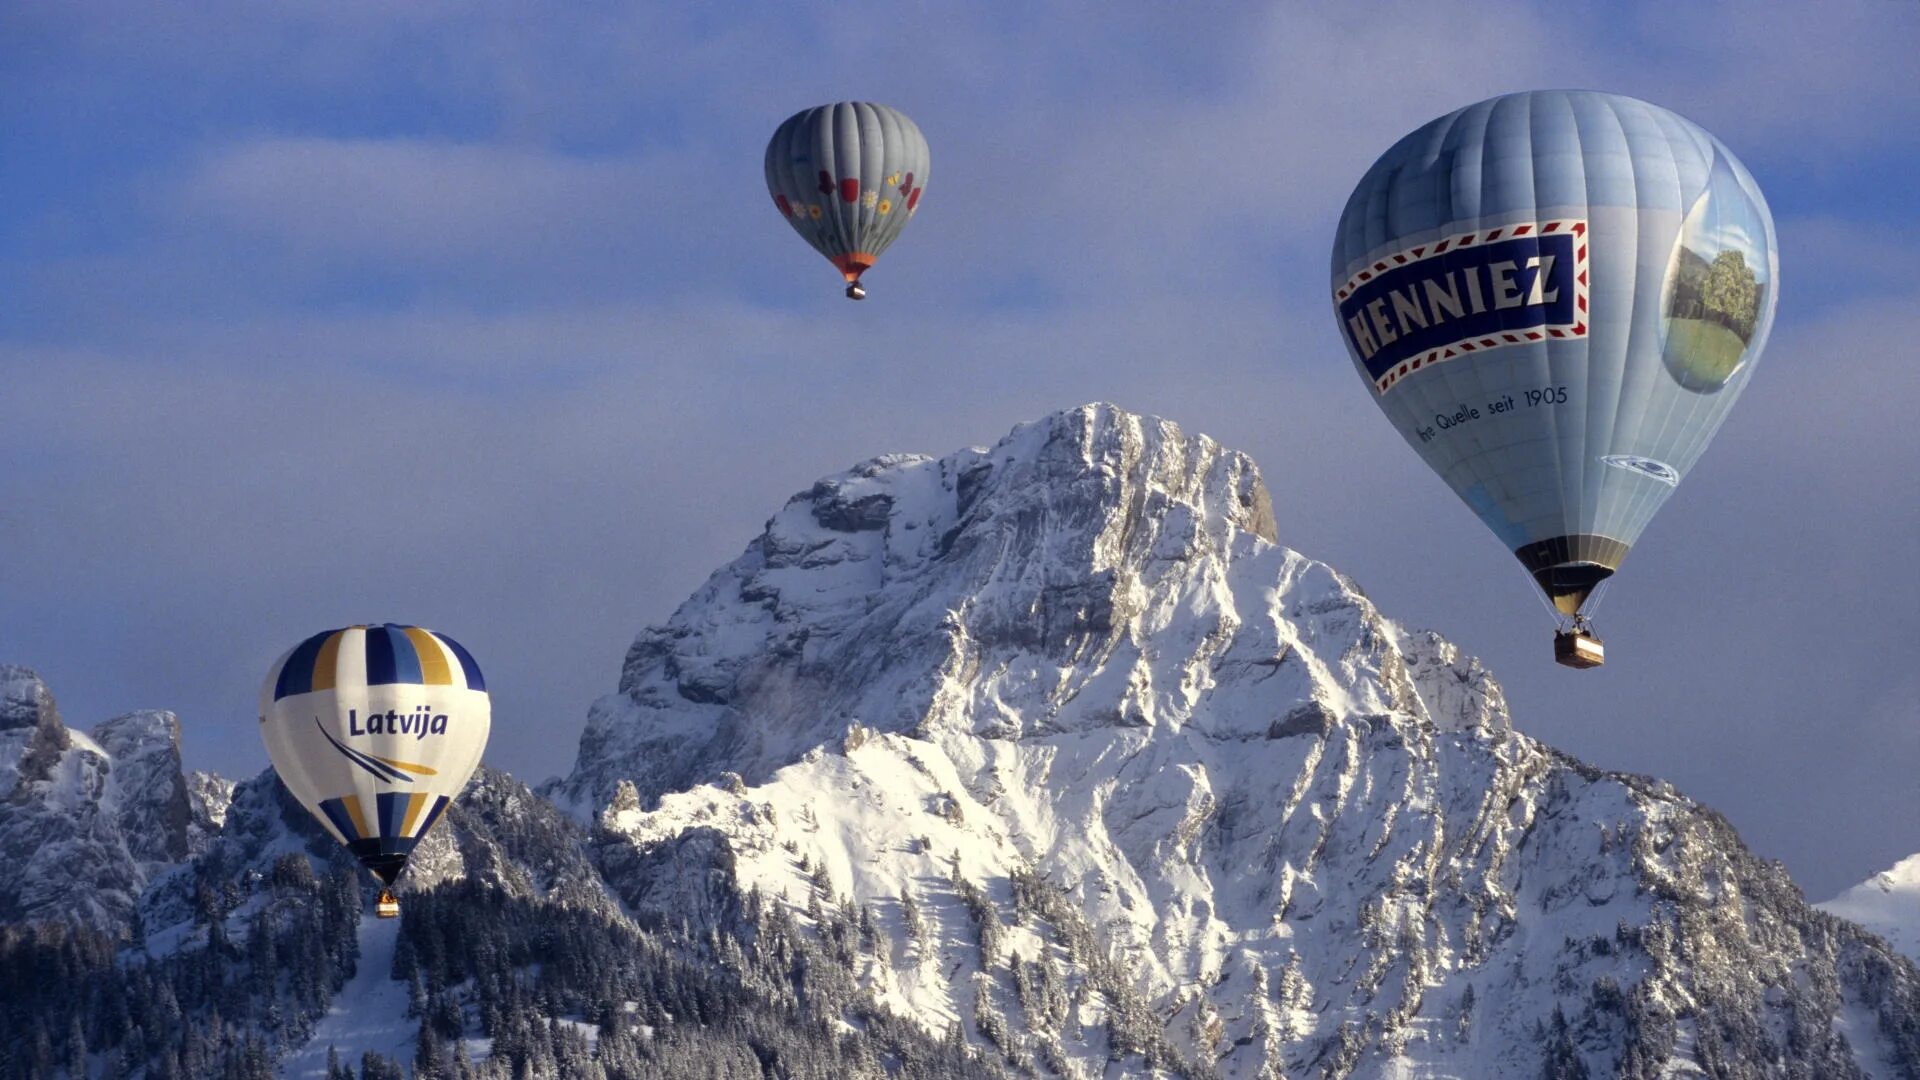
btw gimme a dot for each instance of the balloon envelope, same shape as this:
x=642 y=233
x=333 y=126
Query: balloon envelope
x=1555 y=297
x=847 y=177
x=375 y=729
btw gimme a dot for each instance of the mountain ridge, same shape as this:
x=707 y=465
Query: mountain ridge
x=90 y=817
x=1082 y=656
x=1049 y=758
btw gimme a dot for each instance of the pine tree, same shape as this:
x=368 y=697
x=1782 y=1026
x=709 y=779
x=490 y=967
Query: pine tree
x=1563 y=1060
x=910 y=917
x=1463 y=1015
x=76 y=1048
x=40 y=1066
x=427 y=1062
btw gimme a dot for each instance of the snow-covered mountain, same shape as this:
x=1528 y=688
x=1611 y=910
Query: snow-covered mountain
x=86 y=819
x=1124 y=780
x=1888 y=903
x=1039 y=760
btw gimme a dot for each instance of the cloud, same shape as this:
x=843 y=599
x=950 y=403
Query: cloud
x=1801 y=79
x=405 y=200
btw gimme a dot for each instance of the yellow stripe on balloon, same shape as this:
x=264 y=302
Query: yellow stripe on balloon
x=415 y=803
x=413 y=767
x=324 y=664
x=352 y=803
x=433 y=658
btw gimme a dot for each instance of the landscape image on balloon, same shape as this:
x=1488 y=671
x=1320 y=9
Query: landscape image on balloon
x=1718 y=281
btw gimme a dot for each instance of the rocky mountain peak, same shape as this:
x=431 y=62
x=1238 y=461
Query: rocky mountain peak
x=1065 y=711
x=32 y=738
x=210 y=795
x=151 y=800
x=873 y=587
x=88 y=817
x=25 y=701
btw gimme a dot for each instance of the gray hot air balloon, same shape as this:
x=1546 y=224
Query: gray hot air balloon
x=848 y=177
x=1555 y=297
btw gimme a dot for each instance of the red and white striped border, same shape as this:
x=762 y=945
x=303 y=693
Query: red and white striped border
x=1577 y=227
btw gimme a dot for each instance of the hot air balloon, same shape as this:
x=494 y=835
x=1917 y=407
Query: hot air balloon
x=848 y=177
x=1555 y=297
x=375 y=729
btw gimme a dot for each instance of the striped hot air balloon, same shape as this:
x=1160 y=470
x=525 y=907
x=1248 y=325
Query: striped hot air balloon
x=1556 y=297
x=848 y=178
x=375 y=729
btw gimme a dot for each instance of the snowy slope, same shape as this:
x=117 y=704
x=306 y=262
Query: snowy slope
x=369 y=1012
x=1888 y=903
x=1156 y=789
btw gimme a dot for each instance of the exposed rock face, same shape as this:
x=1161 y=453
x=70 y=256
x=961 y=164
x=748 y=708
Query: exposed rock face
x=499 y=833
x=1070 y=690
x=868 y=597
x=260 y=823
x=208 y=797
x=151 y=805
x=25 y=701
x=86 y=819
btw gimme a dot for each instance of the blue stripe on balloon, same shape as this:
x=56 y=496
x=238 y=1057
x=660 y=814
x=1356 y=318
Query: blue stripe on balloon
x=406 y=659
x=433 y=815
x=393 y=807
x=472 y=670
x=297 y=676
x=381 y=667
x=337 y=813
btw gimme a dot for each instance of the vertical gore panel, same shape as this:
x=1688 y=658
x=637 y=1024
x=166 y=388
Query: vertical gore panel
x=433 y=815
x=433 y=660
x=406 y=659
x=297 y=676
x=393 y=806
x=327 y=661
x=357 y=815
x=382 y=665
x=336 y=813
x=467 y=667
x=416 y=802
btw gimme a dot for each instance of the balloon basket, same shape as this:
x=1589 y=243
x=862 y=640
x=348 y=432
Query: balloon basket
x=387 y=907
x=1578 y=649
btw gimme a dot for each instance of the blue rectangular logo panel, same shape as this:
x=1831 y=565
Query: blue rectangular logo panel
x=1513 y=285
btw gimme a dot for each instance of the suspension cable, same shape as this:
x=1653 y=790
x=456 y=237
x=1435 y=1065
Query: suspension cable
x=1599 y=594
x=1559 y=620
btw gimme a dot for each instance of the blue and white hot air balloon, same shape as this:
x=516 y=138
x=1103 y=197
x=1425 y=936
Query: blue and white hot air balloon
x=1555 y=297
x=375 y=730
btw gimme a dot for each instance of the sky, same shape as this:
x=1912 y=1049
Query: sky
x=479 y=317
